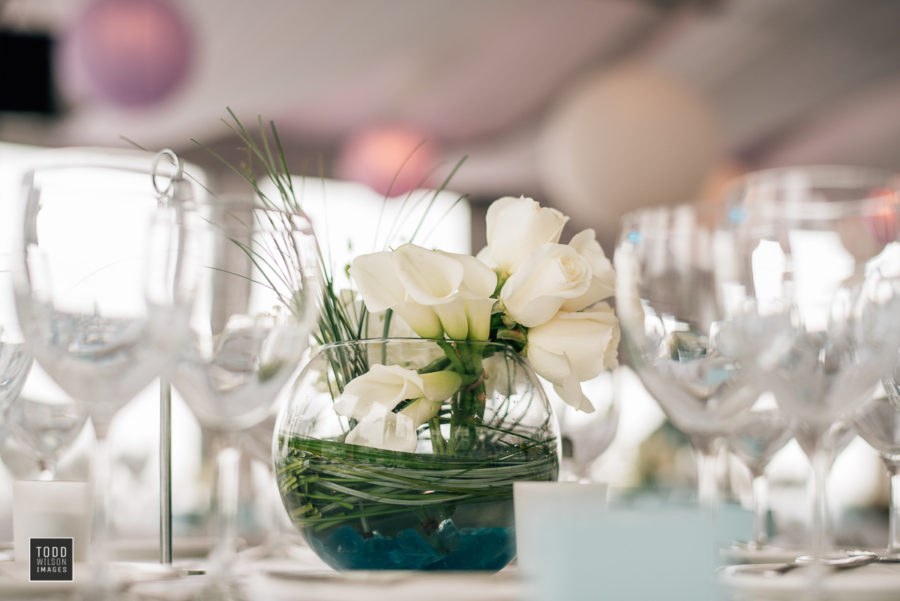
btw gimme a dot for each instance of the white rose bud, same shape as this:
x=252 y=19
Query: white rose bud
x=515 y=227
x=551 y=275
x=572 y=348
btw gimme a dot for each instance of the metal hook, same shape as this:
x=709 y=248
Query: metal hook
x=168 y=191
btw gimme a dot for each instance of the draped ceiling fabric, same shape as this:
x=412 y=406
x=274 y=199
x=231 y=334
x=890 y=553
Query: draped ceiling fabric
x=799 y=81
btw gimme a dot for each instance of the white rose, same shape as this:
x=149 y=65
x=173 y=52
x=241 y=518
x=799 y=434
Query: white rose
x=434 y=292
x=551 y=275
x=603 y=277
x=515 y=227
x=372 y=397
x=628 y=297
x=572 y=348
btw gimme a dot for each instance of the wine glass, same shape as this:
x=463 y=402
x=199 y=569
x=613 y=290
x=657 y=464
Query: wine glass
x=255 y=306
x=754 y=440
x=45 y=427
x=280 y=538
x=815 y=298
x=673 y=320
x=586 y=436
x=101 y=295
x=15 y=359
x=878 y=423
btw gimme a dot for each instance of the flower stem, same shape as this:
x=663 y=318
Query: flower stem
x=453 y=356
x=437 y=439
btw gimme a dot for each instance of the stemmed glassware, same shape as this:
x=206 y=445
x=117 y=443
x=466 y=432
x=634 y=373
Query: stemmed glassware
x=815 y=298
x=15 y=360
x=102 y=295
x=586 y=436
x=47 y=426
x=878 y=423
x=673 y=321
x=754 y=440
x=256 y=303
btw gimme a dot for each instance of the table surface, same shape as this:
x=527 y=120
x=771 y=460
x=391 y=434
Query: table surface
x=300 y=576
x=303 y=576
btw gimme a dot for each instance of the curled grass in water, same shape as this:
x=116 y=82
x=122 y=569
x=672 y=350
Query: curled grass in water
x=330 y=483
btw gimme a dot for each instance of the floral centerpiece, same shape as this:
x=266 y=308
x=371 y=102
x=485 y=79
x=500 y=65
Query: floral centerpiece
x=403 y=435
x=401 y=453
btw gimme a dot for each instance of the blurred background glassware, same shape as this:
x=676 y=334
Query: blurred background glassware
x=754 y=440
x=46 y=427
x=586 y=436
x=255 y=306
x=815 y=297
x=275 y=535
x=673 y=319
x=15 y=359
x=101 y=293
x=878 y=423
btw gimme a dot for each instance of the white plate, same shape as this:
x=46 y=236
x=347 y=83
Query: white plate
x=14 y=577
x=740 y=553
x=873 y=582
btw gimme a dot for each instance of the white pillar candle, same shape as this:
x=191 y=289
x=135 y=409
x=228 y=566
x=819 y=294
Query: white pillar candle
x=51 y=510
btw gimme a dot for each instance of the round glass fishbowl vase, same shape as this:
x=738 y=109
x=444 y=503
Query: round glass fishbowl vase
x=401 y=453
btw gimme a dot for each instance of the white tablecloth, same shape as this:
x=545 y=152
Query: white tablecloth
x=303 y=577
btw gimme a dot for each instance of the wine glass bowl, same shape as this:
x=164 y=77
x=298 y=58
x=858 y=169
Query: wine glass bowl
x=814 y=297
x=82 y=289
x=759 y=435
x=15 y=362
x=586 y=436
x=878 y=423
x=675 y=324
x=15 y=358
x=46 y=427
x=255 y=305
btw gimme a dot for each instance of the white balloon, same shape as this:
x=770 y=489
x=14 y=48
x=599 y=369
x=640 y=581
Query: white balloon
x=623 y=139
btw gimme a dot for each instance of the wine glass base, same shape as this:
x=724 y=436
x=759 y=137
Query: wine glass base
x=743 y=552
x=15 y=580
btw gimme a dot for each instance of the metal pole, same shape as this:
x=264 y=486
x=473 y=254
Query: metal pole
x=165 y=472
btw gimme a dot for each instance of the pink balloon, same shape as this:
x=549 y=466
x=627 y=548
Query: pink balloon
x=128 y=52
x=377 y=156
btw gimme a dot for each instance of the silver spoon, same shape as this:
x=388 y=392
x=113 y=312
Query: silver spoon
x=837 y=563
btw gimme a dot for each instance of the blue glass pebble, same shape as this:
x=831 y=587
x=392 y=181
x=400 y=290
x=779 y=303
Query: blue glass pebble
x=469 y=549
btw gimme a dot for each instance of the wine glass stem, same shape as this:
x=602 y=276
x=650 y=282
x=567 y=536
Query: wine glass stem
x=893 y=548
x=229 y=460
x=707 y=477
x=99 y=551
x=48 y=470
x=821 y=463
x=760 y=510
